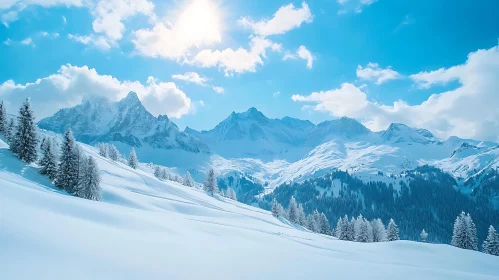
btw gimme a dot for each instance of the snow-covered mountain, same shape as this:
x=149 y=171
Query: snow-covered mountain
x=127 y=121
x=273 y=151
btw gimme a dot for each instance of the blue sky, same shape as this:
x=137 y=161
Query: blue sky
x=376 y=61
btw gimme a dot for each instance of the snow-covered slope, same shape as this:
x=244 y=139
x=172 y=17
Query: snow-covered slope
x=126 y=121
x=148 y=229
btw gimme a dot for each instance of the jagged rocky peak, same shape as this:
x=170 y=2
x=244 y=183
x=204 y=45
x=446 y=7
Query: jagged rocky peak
x=401 y=133
x=345 y=127
x=127 y=121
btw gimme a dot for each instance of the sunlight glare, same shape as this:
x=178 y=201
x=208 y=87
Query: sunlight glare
x=199 y=23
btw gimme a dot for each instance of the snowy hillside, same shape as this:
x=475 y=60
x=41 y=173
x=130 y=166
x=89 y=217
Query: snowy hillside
x=126 y=121
x=148 y=229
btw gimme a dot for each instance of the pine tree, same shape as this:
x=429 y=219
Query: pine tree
x=464 y=234
x=231 y=194
x=302 y=219
x=25 y=140
x=351 y=230
x=362 y=233
x=370 y=234
x=324 y=226
x=68 y=169
x=293 y=210
x=89 y=187
x=338 y=229
x=491 y=243
x=48 y=162
x=189 y=182
x=103 y=150
x=157 y=171
x=275 y=208
x=423 y=236
x=379 y=231
x=114 y=155
x=392 y=231
x=3 y=120
x=164 y=174
x=10 y=133
x=210 y=182
x=314 y=221
x=133 y=162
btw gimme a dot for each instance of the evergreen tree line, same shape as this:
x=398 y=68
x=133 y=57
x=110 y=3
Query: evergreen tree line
x=69 y=169
x=427 y=199
x=464 y=236
x=111 y=152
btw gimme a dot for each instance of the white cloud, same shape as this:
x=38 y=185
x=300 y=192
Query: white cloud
x=99 y=42
x=64 y=19
x=7 y=42
x=372 y=72
x=302 y=53
x=28 y=41
x=10 y=9
x=238 y=61
x=470 y=111
x=218 y=89
x=285 y=19
x=197 y=26
x=440 y=76
x=191 y=77
x=275 y=94
x=49 y=35
x=71 y=83
x=356 y=6
x=109 y=15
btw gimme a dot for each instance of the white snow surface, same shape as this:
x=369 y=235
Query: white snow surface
x=149 y=229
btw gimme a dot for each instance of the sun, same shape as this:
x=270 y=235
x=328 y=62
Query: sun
x=199 y=23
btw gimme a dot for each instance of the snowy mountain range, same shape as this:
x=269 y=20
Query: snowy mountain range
x=99 y=120
x=274 y=151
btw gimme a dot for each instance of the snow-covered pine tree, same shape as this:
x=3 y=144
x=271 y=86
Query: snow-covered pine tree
x=103 y=150
x=339 y=226
x=231 y=194
x=275 y=208
x=210 y=182
x=89 y=187
x=157 y=171
x=392 y=231
x=133 y=162
x=491 y=243
x=3 y=119
x=10 y=133
x=423 y=236
x=302 y=219
x=351 y=230
x=459 y=232
x=362 y=233
x=25 y=140
x=324 y=226
x=293 y=210
x=164 y=174
x=68 y=169
x=357 y=227
x=314 y=221
x=114 y=155
x=379 y=231
x=472 y=240
x=48 y=162
x=188 y=181
x=370 y=234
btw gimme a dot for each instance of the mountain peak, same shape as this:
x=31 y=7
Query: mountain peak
x=398 y=133
x=131 y=96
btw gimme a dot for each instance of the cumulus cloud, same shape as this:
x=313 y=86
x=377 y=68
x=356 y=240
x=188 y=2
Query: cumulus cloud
x=10 y=9
x=236 y=61
x=285 y=19
x=99 y=42
x=191 y=77
x=197 y=26
x=71 y=84
x=28 y=42
x=356 y=6
x=469 y=111
x=302 y=53
x=372 y=72
x=218 y=89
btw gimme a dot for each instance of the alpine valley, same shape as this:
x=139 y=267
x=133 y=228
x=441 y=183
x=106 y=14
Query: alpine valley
x=338 y=166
